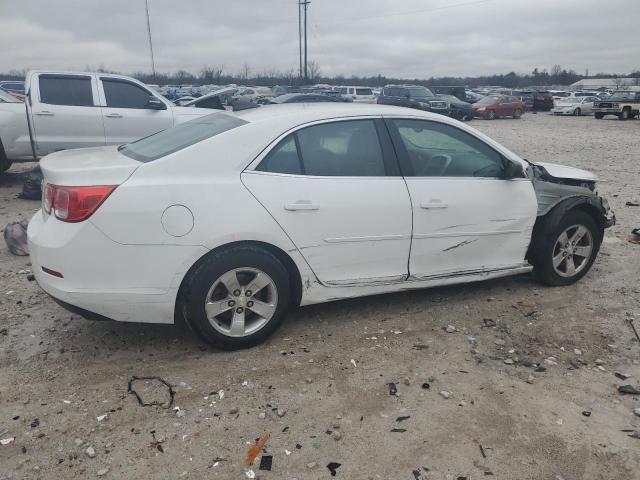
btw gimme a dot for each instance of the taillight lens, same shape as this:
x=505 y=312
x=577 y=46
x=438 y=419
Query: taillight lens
x=540 y=98
x=74 y=204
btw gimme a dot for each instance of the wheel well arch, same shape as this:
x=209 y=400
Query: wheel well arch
x=292 y=269
x=583 y=204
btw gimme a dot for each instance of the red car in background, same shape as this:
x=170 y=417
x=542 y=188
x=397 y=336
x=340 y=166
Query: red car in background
x=496 y=106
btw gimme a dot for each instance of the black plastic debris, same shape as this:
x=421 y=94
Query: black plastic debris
x=586 y=413
x=403 y=418
x=482 y=452
x=35 y=423
x=488 y=322
x=392 y=388
x=398 y=430
x=32 y=186
x=265 y=462
x=15 y=236
x=628 y=389
x=632 y=204
x=420 y=346
x=426 y=386
x=417 y=475
x=151 y=385
x=333 y=466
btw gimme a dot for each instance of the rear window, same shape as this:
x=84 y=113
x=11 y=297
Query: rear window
x=69 y=90
x=394 y=92
x=179 y=137
x=363 y=91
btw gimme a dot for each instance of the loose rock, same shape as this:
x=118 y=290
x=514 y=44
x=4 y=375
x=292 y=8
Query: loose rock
x=103 y=471
x=445 y=394
x=450 y=329
x=91 y=452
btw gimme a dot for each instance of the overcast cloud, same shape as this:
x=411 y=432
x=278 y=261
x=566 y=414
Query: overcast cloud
x=408 y=38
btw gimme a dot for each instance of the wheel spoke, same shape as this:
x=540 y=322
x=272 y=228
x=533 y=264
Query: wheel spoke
x=571 y=267
x=214 y=309
x=237 y=324
x=579 y=233
x=563 y=240
x=258 y=283
x=582 y=251
x=265 y=310
x=558 y=259
x=230 y=281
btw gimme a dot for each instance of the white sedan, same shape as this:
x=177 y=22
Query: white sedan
x=230 y=219
x=574 y=106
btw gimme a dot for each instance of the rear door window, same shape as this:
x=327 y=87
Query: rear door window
x=71 y=90
x=123 y=94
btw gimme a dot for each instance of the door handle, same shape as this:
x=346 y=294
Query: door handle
x=301 y=205
x=433 y=205
x=45 y=113
x=113 y=115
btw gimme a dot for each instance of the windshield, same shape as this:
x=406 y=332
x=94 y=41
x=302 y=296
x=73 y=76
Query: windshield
x=420 y=92
x=487 y=101
x=620 y=96
x=177 y=138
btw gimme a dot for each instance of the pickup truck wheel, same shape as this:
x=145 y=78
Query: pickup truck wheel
x=5 y=163
x=625 y=114
x=237 y=297
x=566 y=247
x=577 y=112
x=599 y=116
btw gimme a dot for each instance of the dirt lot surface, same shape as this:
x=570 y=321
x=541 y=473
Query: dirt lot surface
x=320 y=385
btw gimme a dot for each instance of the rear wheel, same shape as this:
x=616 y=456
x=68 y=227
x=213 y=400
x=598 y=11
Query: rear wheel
x=5 y=163
x=237 y=297
x=566 y=247
x=491 y=115
x=517 y=113
x=577 y=112
x=599 y=116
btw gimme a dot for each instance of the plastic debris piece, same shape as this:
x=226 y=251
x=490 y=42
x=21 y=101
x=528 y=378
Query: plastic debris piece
x=287 y=452
x=488 y=322
x=255 y=449
x=333 y=466
x=152 y=382
x=35 y=423
x=250 y=474
x=392 y=388
x=628 y=389
x=353 y=362
x=426 y=386
x=315 y=444
x=102 y=417
x=403 y=418
x=265 y=462
x=398 y=430
x=7 y=441
x=15 y=236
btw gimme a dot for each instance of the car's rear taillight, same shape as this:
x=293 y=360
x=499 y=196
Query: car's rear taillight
x=74 y=204
x=540 y=98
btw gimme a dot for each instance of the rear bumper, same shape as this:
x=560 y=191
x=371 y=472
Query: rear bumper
x=102 y=278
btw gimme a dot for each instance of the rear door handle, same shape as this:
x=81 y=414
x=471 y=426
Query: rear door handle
x=433 y=205
x=301 y=205
x=113 y=115
x=45 y=113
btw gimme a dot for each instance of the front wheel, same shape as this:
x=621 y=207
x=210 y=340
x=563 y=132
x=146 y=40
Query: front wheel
x=577 y=112
x=491 y=115
x=566 y=247
x=237 y=297
x=599 y=116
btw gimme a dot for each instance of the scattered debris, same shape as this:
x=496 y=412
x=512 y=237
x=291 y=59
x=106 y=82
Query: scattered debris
x=312 y=465
x=154 y=388
x=398 y=430
x=634 y=237
x=586 y=413
x=90 y=452
x=628 y=389
x=250 y=474
x=632 y=204
x=265 y=462
x=473 y=341
x=156 y=443
x=233 y=411
x=482 y=452
x=353 y=362
x=15 y=236
x=508 y=361
x=636 y=412
x=599 y=361
x=488 y=322
x=622 y=376
x=337 y=435
x=630 y=320
x=445 y=394
x=255 y=449
x=450 y=329
x=32 y=185
x=35 y=423
x=281 y=412
x=530 y=379
x=420 y=346
x=577 y=351
x=315 y=445
x=102 y=472
x=333 y=466
x=426 y=386
x=7 y=441
x=402 y=419
x=392 y=388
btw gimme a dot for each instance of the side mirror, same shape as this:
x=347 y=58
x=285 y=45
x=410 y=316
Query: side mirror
x=512 y=170
x=155 y=104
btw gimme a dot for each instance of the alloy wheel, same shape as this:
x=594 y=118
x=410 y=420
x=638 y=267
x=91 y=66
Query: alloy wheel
x=572 y=251
x=241 y=302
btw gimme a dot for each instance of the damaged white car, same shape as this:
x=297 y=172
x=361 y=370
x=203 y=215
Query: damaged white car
x=230 y=219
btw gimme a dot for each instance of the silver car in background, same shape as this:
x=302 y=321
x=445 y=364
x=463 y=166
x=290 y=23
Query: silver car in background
x=575 y=106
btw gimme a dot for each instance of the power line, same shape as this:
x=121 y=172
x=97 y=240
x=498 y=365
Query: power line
x=153 y=63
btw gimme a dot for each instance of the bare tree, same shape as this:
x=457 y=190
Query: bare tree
x=313 y=69
x=245 y=73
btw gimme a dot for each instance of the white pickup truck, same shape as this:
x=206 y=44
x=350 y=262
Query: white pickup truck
x=64 y=110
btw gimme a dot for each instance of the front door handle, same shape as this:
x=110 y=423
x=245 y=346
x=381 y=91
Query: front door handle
x=45 y=113
x=301 y=205
x=113 y=115
x=433 y=205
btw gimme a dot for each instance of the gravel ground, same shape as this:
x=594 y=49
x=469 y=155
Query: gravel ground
x=328 y=368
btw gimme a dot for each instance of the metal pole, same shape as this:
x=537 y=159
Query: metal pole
x=306 y=77
x=153 y=63
x=300 y=36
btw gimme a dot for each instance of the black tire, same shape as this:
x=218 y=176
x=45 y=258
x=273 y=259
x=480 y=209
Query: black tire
x=626 y=113
x=491 y=115
x=546 y=237
x=577 y=112
x=5 y=163
x=599 y=116
x=210 y=270
x=517 y=114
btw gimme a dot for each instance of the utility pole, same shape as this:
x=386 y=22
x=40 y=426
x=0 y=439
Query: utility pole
x=300 y=36
x=306 y=4
x=153 y=63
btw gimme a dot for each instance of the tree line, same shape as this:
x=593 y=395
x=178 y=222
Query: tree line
x=218 y=75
